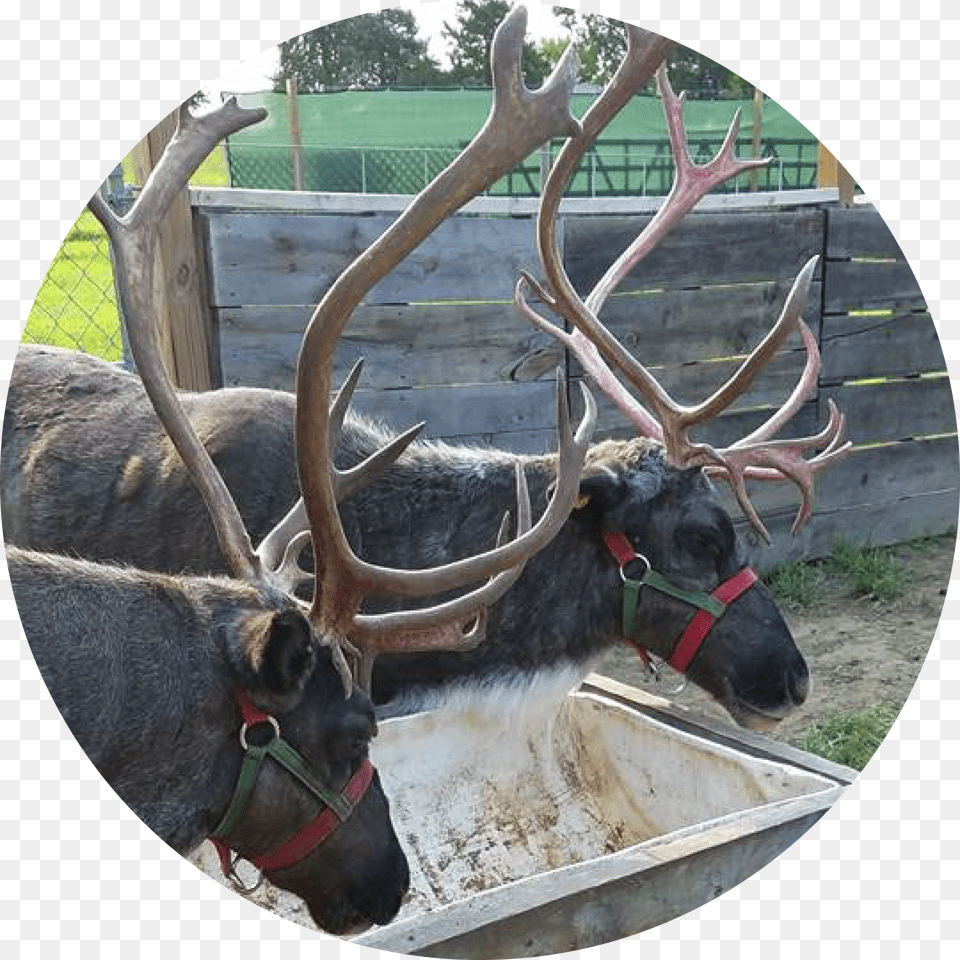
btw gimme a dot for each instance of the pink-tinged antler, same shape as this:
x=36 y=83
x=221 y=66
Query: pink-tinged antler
x=757 y=456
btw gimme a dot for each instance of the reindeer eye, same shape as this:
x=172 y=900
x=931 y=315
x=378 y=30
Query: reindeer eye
x=704 y=544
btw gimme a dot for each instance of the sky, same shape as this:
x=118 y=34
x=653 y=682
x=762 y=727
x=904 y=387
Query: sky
x=255 y=74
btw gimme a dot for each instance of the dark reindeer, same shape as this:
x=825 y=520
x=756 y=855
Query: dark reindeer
x=226 y=707
x=436 y=502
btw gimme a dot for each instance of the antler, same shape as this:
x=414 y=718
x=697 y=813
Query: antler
x=519 y=121
x=134 y=240
x=757 y=456
x=280 y=549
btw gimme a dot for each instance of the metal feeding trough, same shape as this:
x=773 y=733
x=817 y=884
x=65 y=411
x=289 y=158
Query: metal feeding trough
x=538 y=830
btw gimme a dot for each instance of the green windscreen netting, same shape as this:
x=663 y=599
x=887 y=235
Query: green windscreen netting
x=395 y=141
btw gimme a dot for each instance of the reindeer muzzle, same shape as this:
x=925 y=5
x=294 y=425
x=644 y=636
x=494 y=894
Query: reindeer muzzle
x=337 y=806
x=710 y=606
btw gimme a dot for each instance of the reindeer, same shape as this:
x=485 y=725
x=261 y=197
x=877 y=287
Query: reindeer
x=226 y=707
x=574 y=600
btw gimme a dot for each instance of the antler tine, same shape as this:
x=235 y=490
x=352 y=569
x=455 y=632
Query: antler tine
x=276 y=552
x=134 y=240
x=345 y=482
x=691 y=183
x=784 y=459
x=520 y=120
x=790 y=317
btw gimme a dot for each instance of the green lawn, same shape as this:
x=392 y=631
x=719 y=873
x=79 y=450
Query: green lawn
x=76 y=306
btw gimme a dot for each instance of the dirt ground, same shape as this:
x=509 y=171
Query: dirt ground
x=860 y=652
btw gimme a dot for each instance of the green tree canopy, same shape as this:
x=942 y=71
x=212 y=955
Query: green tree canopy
x=602 y=42
x=471 y=37
x=364 y=52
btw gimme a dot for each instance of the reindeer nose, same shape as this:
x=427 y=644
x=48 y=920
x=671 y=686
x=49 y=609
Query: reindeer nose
x=798 y=682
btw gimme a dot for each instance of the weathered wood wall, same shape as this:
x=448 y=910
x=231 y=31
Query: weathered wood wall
x=443 y=343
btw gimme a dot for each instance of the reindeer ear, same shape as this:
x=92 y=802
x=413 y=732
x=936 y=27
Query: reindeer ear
x=600 y=492
x=287 y=653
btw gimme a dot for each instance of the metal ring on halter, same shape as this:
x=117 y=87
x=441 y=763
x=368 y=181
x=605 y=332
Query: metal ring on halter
x=268 y=719
x=237 y=881
x=655 y=664
x=636 y=556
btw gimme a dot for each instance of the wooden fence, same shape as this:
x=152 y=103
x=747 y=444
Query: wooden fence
x=443 y=343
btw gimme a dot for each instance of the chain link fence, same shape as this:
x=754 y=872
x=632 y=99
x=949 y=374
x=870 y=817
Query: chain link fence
x=76 y=306
x=612 y=169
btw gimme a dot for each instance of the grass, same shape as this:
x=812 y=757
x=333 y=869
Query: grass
x=76 y=305
x=795 y=585
x=875 y=573
x=872 y=572
x=850 y=739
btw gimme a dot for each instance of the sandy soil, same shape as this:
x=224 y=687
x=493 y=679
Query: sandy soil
x=860 y=651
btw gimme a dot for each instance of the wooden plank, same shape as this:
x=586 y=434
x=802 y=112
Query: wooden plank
x=868 y=524
x=231 y=198
x=857 y=347
x=515 y=416
x=870 y=285
x=878 y=412
x=703 y=249
x=293 y=259
x=178 y=291
x=402 y=345
x=722 y=431
x=691 y=383
x=470 y=343
x=679 y=326
x=859 y=232
x=880 y=474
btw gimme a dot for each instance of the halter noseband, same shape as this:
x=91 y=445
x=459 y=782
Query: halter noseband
x=711 y=606
x=337 y=807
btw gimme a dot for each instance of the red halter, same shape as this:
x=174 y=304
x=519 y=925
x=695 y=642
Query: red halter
x=711 y=605
x=337 y=806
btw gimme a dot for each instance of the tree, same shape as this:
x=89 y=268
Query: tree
x=472 y=36
x=371 y=50
x=601 y=43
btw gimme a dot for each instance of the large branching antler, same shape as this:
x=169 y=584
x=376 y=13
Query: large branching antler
x=519 y=122
x=757 y=456
x=134 y=241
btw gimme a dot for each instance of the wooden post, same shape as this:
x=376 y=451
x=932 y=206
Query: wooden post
x=757 y=140
x=831 y=173
x=296 y=142
x=185 y=333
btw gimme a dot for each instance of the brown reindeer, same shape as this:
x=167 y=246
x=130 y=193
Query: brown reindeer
x=434 y=503
x=227 y=708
